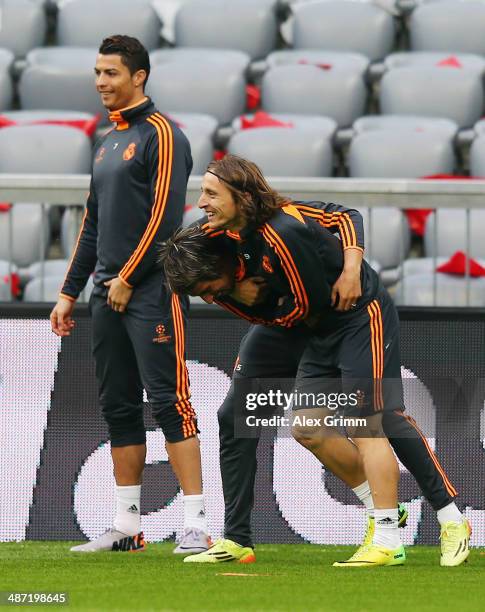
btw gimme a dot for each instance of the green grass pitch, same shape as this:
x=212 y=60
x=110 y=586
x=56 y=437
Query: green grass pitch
x=285 y=577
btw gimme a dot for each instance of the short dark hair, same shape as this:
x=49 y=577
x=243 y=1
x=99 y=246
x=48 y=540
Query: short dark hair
x=190 y=257
x=133 y=54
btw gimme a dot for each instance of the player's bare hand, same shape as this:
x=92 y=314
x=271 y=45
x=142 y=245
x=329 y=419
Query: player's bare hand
x=346 y=291
x=119 y=294
x=60 y=317
x=250 y=291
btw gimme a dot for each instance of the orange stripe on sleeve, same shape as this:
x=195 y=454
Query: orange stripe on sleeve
x=342 y=220
x=67 y=297
x=353 y=236
x=296 y=284
x=335 y=219
x=165 y=158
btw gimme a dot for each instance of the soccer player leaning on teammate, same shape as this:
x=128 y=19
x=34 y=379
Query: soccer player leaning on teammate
x=320 y=312
x=137 y=197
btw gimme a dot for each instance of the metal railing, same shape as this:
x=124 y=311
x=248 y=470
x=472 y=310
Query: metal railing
x=71 y=190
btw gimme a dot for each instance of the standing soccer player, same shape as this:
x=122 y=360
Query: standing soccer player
x=291 y=270
x=137 y=198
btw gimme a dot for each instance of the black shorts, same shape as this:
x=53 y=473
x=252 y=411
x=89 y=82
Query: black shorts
x=360 y=360
x=143 y=348
x=361 y=356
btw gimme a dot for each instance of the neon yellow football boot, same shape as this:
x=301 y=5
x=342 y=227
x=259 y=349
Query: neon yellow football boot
x=222 y=552
x=374 y=556
x=455 y=542
x=371 y=526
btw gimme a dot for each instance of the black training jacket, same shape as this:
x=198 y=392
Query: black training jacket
x=136 y=199
x=300 y=258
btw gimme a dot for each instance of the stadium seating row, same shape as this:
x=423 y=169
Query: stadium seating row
x=332 y=84
x=249 y=25
x=282 y=145
x=427 y=98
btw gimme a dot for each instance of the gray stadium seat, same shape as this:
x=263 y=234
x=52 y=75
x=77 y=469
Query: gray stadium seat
x=200 y=130
x=37 y=149
x=247 y=25
x=6 y=86
x=49 y=267
x=427 y=265
x=405 y=122
x=237 y=59
x=451 y=233
x=5 y=270
x=396 y=154
x=29 y=231
x=25 y=117
x=310 y=123
x=84 y=23
x=44 y=149
x=5 y=293
x=198 y=87
x=327 y=60
x=191 y=215
x=450 y=238
x=47 y=289
x=167 y=11
x=435 y=92
x=435 y=59
x=451 y=291
x=400 y=154
x=23 y=26
x=479 y=127
x=477 y=153
x=285 y=151
x=448 y=26
x=70 y=225
x=308 y=90
x=60 y=79
x=344 y=26
x=388 y=239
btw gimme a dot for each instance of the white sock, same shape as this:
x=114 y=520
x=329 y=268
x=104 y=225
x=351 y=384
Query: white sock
x=449 y=513
x=387 y=532
x=127 y=518
x=365 y=496
x=194 y=512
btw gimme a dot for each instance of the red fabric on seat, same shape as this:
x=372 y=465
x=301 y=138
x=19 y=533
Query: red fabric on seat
x=88 y=126
x=253 y=97
x=14 y=281
x=450 y=62
x=457 y=265
x=417 y=216
x=262 y=119
x=322 y=66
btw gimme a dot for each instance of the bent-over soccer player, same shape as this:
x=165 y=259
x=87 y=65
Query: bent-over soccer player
x=320 y=312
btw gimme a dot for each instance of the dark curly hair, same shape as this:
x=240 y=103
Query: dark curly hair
x=188 y=258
